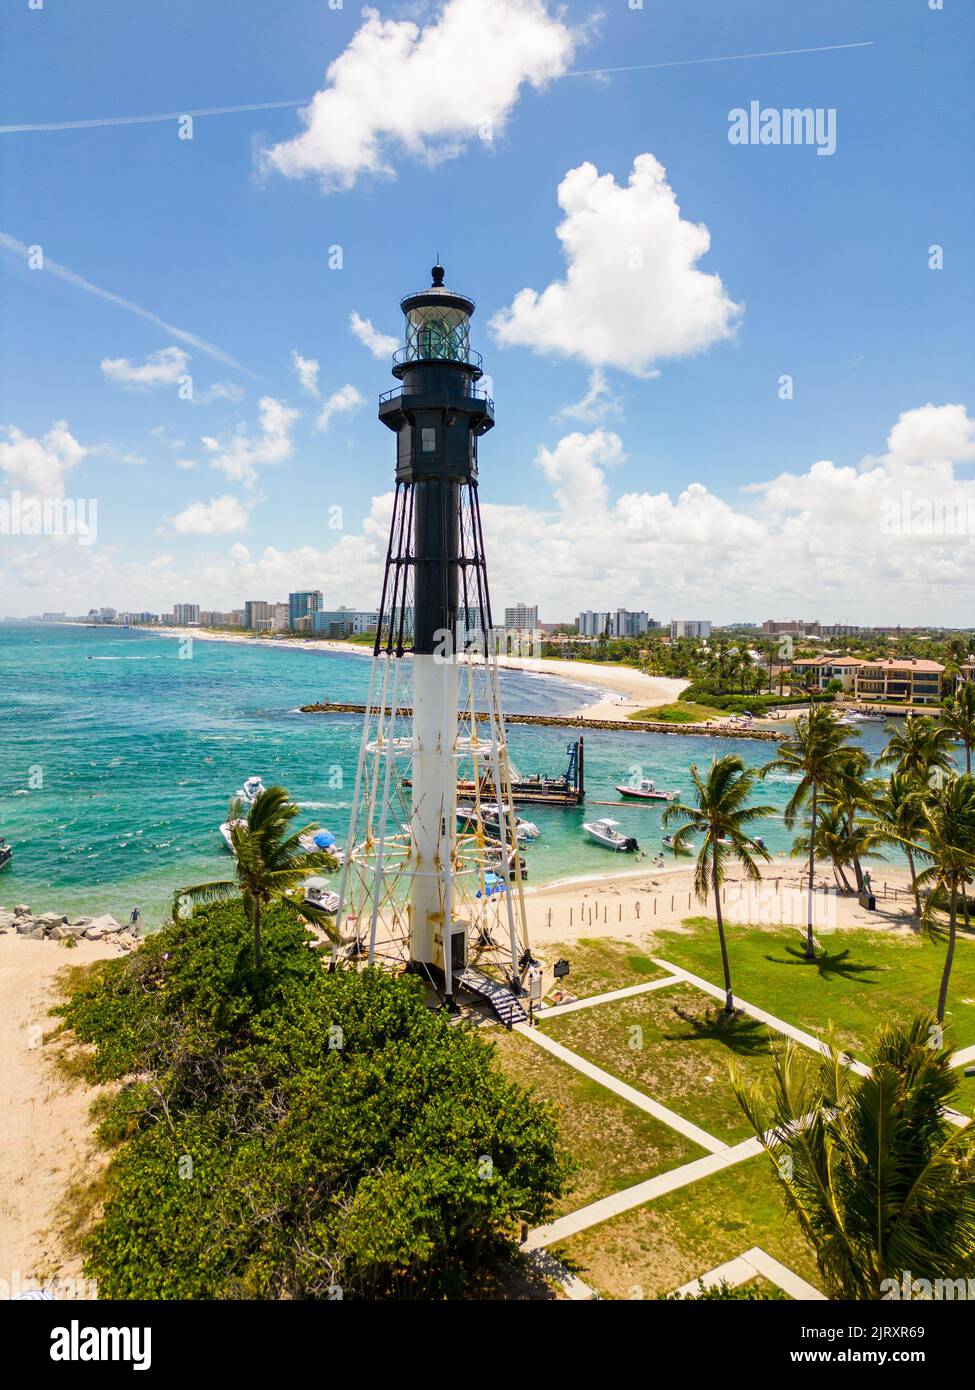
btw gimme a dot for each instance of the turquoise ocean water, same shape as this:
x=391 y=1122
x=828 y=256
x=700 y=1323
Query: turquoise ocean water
x=118 y=758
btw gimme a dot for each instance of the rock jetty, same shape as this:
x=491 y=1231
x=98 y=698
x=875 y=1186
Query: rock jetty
x=56 y=926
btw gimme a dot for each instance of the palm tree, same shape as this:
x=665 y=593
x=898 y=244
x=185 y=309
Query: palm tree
x=958 y=718
x=814 y=753
x=832 y=842
x=880 y=1181
x=722 y=815
x=850 y=793
x=269 y=865
x=919 y=748
x=898 y=818
x=948 y=839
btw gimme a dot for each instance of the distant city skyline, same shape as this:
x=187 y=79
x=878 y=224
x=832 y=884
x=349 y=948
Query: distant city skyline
x=730 y=376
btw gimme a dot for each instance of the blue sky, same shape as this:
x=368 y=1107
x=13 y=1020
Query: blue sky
x=825 y=258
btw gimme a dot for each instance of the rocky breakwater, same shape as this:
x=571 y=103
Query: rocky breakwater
x=56 y=926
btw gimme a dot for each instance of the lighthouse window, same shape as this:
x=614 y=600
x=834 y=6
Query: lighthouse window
x=428 y=440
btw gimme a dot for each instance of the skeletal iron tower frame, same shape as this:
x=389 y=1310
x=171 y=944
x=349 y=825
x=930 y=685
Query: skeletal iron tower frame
x=415 y=889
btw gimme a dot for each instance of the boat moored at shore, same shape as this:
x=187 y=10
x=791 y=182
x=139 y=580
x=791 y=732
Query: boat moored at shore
x=605 y=833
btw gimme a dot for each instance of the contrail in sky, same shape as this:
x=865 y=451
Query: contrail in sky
x=278 y=105
x=11 y=243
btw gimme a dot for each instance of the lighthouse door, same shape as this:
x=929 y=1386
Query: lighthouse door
x=458 y=949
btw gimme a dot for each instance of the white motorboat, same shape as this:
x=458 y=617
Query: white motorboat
x=605 y=833
x=872 y=717
x=317 y=893
x=489 y=816
x=250 y=791
x=225 y=831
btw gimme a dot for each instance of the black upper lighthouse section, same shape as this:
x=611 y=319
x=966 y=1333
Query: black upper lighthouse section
x=438 y=412
x=435 y=581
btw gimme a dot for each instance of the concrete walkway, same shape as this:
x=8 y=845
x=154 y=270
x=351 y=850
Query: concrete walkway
x=628 y=1093
x=745 y=1267
x=610 y=997
x=964 y=1056
x=640 y=1194
x=778 y=1024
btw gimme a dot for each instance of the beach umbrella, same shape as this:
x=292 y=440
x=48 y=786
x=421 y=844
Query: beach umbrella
x=324 y=839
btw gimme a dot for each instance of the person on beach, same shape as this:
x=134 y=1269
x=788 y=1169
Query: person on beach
x=135 y=917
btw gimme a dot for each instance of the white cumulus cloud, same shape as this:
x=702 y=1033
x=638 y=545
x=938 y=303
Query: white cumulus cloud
x=379 y=344
x=341 y=402
x=306 y=370
x=399 y=88
x=633 y=294
x=219 y=517
x=243 y=454
x=162 y=368
x=40 y=466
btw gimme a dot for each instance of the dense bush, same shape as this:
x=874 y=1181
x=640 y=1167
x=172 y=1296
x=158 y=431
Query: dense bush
x=703 y=693
x=299 y=1134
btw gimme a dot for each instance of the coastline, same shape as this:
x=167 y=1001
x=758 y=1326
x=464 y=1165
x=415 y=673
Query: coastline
x=627 y=689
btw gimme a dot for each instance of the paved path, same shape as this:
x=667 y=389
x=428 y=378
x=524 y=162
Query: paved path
x=629 y=1093
x=746 y=1266
x=640 y=1194
x=962 y=1058
x=551 y=1011
x=779 y=1024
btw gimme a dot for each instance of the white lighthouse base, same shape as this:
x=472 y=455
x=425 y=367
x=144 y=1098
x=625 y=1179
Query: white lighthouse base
x=416 y=892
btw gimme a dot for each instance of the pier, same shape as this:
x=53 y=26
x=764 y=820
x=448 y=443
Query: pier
x=568 y=721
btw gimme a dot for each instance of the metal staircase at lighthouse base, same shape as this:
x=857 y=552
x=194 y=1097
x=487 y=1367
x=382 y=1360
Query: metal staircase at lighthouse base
x=501 y=999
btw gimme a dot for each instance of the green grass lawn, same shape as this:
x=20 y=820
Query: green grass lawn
x=598 y=966
x=680 y=1059
x=656 y=1248
x=680 y=712
x=613 y=1143
x=966 y=1093
x=859 y=980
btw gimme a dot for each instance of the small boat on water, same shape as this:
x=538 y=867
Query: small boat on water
x=645 y=790
x=605 y=833
x=250 y=791
x=317 y=893
x=225 y=831
x=872 y=717
x=493 y=855
x=317 y=840
x=6 y=853
x=489 y=816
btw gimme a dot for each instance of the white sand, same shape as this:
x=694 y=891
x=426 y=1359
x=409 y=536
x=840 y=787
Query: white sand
x=45 y=1134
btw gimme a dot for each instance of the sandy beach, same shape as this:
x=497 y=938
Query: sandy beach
x=636 y=904
x=627 y=689
x=46 y=1140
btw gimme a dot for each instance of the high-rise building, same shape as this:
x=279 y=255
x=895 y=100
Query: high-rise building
x=344 y=622
x=790 y=627
x=523 y=617
x=627 y=624
x=186 y=613
x=689 y=627
x=258 y=614
x=593 y=624
x=301 y=605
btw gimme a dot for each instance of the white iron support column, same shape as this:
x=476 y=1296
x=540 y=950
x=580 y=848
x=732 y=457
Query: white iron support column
x=433 y=816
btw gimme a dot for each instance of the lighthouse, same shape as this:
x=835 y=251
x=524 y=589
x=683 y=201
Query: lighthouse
x=437 y=887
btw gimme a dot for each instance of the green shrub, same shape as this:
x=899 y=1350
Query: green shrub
x=297 y=1133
